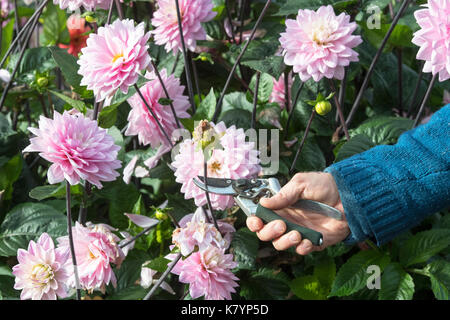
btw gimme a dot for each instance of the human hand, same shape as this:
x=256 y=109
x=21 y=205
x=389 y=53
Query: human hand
x=318 y=186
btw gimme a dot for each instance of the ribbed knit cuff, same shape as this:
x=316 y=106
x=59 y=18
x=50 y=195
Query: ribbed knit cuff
x=369 y=200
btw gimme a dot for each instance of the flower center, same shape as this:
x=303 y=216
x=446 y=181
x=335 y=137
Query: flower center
x=117 y=56
x=321 y=31
x=215 y=166
x=42 y=273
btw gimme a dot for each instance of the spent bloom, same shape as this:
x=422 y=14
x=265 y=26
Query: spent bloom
x=278 y=94
x=236 y=158
x=433 y=38
x=141 y=121
x=113 y=58
x=148 y=279
x=208 y=273
x=319 y=44
x=192 y=13
x=77 y=28
x=95 y=251
x=42 y=270
x=89 y=5
x=76 y=147
x=196 y=232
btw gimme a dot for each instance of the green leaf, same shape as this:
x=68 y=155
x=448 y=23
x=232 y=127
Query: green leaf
x=205 y=110
x=139 y=207
x=396 y=283
x=325 y=272
x=400 y=37
x=424 y=245
x=307 y=288
x=39 y=59
x=5 y=270
x=7 y=36
x=108 y=116
x=265 y=87
x=69 y=68
x=239 y=118
x=245 y=246
x=159 y=264
x=54 y=26
x=272 y=65
x=311 y=157
x=383 y=130
x=9 y=173
x=292 y=6
x=130 y=293
x=54 y=191
x=352 y=276
x=265 y=284
x=130 y=270
x=357 y=144
x=181 y=207
x=27 y=221
x=77 y=104
x=439 y=273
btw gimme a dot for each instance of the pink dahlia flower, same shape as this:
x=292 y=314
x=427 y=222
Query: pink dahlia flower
x=319 y=44
x=192 y=12
x=195 y=232
x=278 y=94
x=77 y=147
x=140 y=120
x=94 y=252
x=89 y=5
x=113 y=58
x=434 y=37
x=237 y=159
x=42 y=270
x=208 y=274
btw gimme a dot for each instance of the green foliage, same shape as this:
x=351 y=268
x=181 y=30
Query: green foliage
x=245 y=248
x=396 y=283
x=54 y=26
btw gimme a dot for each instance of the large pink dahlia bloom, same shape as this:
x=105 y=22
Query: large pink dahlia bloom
x=208 y=273
x=42 y=270
x=95 y=252
x=140 y=120
x=192 y=12
x=319 y=44
x=236 y=159
x=77 y=147
x=113 y=58
x=89 y=5
x=434 y=37
x=196 y=232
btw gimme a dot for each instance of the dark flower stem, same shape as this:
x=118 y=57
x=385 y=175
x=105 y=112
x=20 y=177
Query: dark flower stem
x=177 y=57
x=196 y=80
x=72 y=248
x=187 y=63
x=339 y=110
x=300 y=147
x=111 y=6
x=374 y=62
x=119 y=9
x=425 y=99
x=241 y=18
x=416 y=90
x=291 y=112
x=153 y=115
x=255 y=99
x=287 y=97
x=230 y=20
x=140 y=234
x=163 y=277
x=342 y=91
x=227 y=83
x=205 y=175
x=17 y=22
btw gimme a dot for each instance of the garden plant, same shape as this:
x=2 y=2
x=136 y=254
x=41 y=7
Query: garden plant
x=109 y=109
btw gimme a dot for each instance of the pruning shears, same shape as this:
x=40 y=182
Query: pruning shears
x=247 y=192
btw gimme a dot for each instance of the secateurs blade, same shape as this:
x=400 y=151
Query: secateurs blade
x=247 y=193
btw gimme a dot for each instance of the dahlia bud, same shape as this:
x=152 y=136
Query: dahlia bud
x=203 y=134
x=323 y=107
x=91 y=18
x=160 y=215
x=42 y=81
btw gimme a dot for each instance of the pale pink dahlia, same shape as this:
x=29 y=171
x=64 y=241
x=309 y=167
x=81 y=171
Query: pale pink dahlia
x=208 y=274
x=236 y=159
x=95 y=252
x=141 y=121
x=89 y=5
x=42 y=270
x=196 y=233
x=434 y=37
x=319 y=44
x=278 y=94
x=192 y=12
x=77 y=147
x=113 y=58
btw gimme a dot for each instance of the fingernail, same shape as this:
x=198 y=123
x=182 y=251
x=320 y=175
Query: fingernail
x=294 y=237
x=279 y=227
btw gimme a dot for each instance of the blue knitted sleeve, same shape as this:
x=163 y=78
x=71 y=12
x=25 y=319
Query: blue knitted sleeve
x=389 y=189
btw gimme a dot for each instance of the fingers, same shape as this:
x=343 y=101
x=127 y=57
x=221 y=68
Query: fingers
x=288 y=240
x=288 y=195
x=270 y=231
x=305 y=247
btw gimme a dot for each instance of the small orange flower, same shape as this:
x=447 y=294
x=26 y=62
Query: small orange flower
x=77 y=30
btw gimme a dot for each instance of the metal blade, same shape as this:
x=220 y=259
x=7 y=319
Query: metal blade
x=318 y=207
x=216 y=185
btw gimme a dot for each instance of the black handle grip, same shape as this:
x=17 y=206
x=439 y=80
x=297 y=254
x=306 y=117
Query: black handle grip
x=268 y=215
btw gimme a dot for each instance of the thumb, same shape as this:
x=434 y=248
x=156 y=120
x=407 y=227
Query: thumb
x=287 y=196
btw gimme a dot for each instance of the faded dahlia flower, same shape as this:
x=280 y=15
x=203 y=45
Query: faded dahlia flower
x=113 y=58
x=195 y=232
x=140 y=120
x=89 y=5
x=77 y=147
x=319 y=44
x=147 y=279
x=192 y=12
x=77 y=30
x=434 y=37
x=208 y=273
x=95 y=252
x=278 y=94
x=42 y=270
x=237 y=159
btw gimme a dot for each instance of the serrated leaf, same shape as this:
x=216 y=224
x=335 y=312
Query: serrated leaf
x=130 y=270
x=352 y=275
x=292 y=6
x=325 y=272
x=245 y=246
x=264 y=88
x=423 y=245
x=396 y=283
x=273 y=65
x=27 y=221
x=439 y=273
x=158 y=264
x=357 y=144
x=265 y=284
x=9 y=173
x=69 y=68
x=54 y=191
x=206 y=108
x=307 y=288
x=383 y=130
x=77 y=104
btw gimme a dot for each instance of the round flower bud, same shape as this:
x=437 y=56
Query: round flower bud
x=42 y=81
x=323 y=107
x=90 y=18
x=160 y=215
